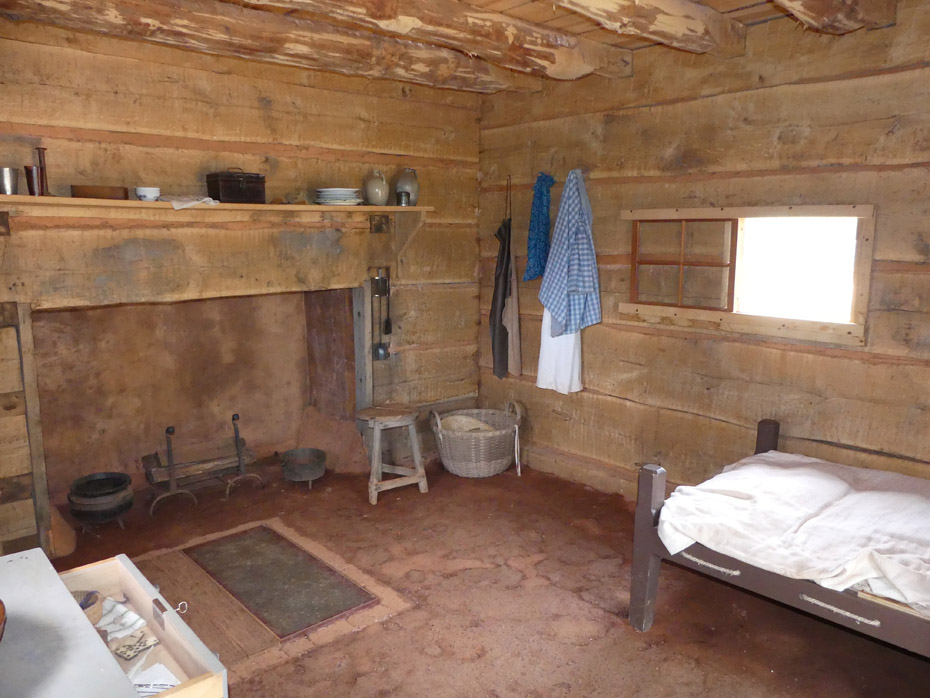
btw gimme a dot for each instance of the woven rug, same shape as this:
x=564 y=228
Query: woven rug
x=284 y=586
x=261 y=594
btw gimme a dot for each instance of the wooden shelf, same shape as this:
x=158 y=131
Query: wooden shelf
x=408 y=220
x=166 y=205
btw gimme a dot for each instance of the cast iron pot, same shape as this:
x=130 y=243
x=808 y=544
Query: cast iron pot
x=100 y=497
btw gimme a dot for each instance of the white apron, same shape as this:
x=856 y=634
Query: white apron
x=559 y=359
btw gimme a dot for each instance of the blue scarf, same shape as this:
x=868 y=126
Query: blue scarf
x=537 y=244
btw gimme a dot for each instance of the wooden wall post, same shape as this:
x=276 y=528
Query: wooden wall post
x=34 y=423
x=361 y=321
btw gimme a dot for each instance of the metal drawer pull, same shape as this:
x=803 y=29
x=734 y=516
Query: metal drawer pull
x=717 y=568
x=182 y=608
x=839 y=611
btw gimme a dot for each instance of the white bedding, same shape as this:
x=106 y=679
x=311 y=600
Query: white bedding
x=809 y=519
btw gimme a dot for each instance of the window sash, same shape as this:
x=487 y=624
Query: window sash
x=683 y=262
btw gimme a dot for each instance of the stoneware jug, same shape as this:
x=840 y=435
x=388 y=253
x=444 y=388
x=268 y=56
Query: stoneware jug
x=408 y=182
x=376 y=189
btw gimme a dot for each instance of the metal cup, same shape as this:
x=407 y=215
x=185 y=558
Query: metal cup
x=403 y=198
x=9 y=180
x=34 y=180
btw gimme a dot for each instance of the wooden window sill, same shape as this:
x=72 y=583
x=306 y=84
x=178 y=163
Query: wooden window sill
x=715 y=321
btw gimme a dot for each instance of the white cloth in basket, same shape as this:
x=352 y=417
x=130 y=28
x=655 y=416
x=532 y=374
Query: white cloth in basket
x=462 y=422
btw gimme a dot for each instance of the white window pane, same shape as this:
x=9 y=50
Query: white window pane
x=797 y=267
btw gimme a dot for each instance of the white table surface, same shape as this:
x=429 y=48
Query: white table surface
x=49 y=647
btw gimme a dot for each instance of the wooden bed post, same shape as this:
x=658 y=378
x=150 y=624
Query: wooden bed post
x=767 y=435
x=645 y=581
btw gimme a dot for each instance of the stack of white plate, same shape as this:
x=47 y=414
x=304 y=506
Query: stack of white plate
x=336 y=196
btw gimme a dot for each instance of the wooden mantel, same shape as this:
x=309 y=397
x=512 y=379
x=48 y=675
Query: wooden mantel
x=58 y=252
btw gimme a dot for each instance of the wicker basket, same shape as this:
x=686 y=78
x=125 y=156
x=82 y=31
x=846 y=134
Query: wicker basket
x=480 y=453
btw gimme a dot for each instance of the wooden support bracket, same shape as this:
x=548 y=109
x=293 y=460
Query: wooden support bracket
x=407 y=224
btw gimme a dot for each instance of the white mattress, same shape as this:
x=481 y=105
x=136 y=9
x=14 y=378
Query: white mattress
x=806 y=518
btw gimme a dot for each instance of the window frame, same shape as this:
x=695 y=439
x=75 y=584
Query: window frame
x=636 y=261
x=729 y=322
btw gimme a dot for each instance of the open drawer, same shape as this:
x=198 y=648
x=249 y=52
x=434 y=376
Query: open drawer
x=179 y=649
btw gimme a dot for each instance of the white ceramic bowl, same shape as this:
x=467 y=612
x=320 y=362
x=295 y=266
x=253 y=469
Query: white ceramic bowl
x=148 y=193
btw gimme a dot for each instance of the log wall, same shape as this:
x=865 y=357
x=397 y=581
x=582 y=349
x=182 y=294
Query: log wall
x=802 y=118
x=116 y=112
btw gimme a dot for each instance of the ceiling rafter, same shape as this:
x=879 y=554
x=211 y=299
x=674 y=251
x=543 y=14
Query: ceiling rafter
x=842 y=16
x=219 y=28
x=678 y=23
x=505 y=41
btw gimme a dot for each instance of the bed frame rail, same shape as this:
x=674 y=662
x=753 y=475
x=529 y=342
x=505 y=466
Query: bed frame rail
x=880 y=620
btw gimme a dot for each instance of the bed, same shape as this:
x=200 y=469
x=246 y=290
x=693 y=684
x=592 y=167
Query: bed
x=701 y=524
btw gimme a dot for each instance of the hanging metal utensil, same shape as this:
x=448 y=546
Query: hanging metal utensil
x=379 y=288
x=388 y=327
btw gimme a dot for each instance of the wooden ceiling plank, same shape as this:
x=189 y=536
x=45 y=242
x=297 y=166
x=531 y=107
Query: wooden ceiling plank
x=759 y=14
x=679 y=23
x=538 y=13
x=503 y=5
x=628 y=41
x=224 y=29
x=500 y=39
x=728 y=6
x=635 y=45
x=842 y=16
x=572 y=23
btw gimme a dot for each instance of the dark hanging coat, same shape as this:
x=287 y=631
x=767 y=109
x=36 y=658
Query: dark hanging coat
x=502 y=291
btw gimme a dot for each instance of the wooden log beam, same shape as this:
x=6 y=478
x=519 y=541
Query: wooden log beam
x=223 y=29
x=678 y=23
x=842 y=16
x=505 y=41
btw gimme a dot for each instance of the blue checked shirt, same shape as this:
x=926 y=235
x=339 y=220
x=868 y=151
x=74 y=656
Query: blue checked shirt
x=570 y=290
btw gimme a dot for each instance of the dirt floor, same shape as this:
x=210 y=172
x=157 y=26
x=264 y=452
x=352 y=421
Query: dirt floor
x=521 y=587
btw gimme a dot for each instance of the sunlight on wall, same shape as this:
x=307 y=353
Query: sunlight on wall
x=798 y=267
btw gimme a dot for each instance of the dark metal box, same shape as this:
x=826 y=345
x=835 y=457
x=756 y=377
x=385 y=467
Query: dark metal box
x=236 y=187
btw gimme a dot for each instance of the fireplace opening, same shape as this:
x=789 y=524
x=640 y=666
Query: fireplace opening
x=111 y=379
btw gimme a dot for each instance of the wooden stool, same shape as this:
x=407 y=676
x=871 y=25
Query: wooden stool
x=392 y=417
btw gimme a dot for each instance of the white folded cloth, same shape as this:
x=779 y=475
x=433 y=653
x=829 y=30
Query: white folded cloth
x=179 y=202
x=118 y=620
x=154 y=680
